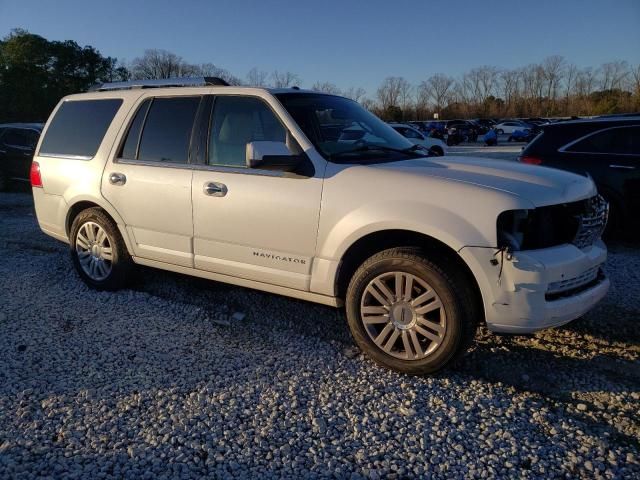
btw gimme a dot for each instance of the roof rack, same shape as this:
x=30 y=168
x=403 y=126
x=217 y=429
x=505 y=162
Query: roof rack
x=160 y=83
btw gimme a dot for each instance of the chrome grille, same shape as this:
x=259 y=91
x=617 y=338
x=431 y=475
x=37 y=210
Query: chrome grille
x=575 y=282
x=592 y=222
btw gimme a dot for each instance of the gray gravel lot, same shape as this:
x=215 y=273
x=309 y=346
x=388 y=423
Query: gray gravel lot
x=161 y=381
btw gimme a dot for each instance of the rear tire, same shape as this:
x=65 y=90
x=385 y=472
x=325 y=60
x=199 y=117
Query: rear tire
x=4 y=181
x=410 y=313
x=98 y=251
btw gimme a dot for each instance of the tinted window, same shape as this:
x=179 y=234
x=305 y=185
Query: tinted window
x=236 y=122
x=409 y=133
x=167 y=131
x=21 y=138
x=78 y=127
x=130 y=146
x=622 y=140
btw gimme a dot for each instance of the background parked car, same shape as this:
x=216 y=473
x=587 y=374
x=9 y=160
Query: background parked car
x=17 y=144
x=606 y=149
x=435 y=146
x=510 y=126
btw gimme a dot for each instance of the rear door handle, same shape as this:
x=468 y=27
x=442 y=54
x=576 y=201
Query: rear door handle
x=215 y=189
x=623 y=167
x=117 y=179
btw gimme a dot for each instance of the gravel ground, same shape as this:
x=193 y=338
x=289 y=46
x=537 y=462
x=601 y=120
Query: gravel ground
x=181 y=377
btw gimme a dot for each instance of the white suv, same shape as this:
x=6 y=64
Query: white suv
x=259 y=188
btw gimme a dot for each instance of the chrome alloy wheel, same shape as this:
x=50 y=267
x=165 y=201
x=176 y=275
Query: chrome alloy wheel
x=403 y=315
x=94 y=251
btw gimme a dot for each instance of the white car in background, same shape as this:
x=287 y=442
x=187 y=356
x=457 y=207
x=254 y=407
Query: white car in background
x=435 y=146
x=511 y=126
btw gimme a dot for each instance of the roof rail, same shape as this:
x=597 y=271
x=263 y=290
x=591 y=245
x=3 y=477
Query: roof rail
x=160 y=83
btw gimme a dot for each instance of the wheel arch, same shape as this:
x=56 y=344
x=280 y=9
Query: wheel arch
x=82 y=203
x=375 y=242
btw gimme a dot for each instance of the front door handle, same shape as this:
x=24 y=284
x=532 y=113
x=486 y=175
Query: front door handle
x=215 y=189
x=117 y=179
x=623 y=167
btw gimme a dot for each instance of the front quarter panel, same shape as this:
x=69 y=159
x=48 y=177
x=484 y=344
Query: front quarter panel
x=359 y=200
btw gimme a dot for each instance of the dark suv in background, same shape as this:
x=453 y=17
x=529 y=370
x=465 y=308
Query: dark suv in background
x=17 y=144
x=607 y=149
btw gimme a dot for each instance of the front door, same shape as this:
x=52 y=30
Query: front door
x=149 y=182
x=250 y=223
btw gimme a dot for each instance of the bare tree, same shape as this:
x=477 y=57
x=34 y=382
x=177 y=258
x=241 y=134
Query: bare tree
x=326 y=87
x=586 y=81
x=436 y=90
x=394 y=91
x=159 y=64
x=284 y=79
x=635 y=76
x=510 y=83
x=355 y=93
x=552 y=69
x=613 y=75
x=257 y=78
x=211 y=70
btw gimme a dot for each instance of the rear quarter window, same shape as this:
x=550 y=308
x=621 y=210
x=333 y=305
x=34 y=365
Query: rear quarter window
x=78 y=127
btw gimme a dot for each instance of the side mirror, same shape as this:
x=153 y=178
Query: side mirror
x=270 y=156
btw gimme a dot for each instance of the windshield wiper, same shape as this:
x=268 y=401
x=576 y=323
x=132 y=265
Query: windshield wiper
x=411 y=151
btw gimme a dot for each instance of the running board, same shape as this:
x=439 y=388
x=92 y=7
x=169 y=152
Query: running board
x=242 y=282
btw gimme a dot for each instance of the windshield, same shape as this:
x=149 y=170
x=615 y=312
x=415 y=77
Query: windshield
x=343 y=131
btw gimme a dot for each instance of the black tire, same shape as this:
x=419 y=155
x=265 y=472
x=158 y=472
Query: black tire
x=436 y=151
x=449 y=284
x=500 y=131
x=4 y=181
x=121 y=265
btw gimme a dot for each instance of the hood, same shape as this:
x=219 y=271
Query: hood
x=539 y=185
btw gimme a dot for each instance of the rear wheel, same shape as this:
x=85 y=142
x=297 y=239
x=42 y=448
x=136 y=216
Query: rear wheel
x=410 y=313
x=98 y=251
x=500 y=131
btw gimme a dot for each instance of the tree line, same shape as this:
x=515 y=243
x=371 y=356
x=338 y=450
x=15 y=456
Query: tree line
x=35 y=73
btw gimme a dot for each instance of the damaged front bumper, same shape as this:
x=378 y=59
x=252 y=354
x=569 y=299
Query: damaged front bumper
x=528 y=291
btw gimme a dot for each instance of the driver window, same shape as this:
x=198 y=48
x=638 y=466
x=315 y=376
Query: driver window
x=237 y=121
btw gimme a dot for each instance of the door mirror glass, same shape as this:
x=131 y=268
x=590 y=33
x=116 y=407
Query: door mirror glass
x=270 y=156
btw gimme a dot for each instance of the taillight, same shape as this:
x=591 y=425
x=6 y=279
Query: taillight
x=36 y=178
x=531 y=160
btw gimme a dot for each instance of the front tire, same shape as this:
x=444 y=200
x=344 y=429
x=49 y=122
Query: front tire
x=98 y=251
x=410 y=313
x=436 y=151
x=500 y=131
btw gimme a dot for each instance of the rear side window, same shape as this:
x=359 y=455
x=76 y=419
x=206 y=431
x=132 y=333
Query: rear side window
x=166 y=134
x=79 y=127
x=22 y=138
x=622 y=140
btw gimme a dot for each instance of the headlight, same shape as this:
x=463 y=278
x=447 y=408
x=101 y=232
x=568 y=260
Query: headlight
x=512 y=226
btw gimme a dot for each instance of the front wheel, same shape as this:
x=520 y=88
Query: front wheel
x=410 y=313
x=500 y=131
x=98 y=251
x=436 y=151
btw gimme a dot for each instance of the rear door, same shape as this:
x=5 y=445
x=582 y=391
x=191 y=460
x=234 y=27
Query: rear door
x=149 y=180
x=261 y=224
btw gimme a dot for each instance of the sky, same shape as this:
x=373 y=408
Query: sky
x=348 y=43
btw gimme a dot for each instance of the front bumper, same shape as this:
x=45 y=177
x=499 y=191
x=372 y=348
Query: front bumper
x=522 y=296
